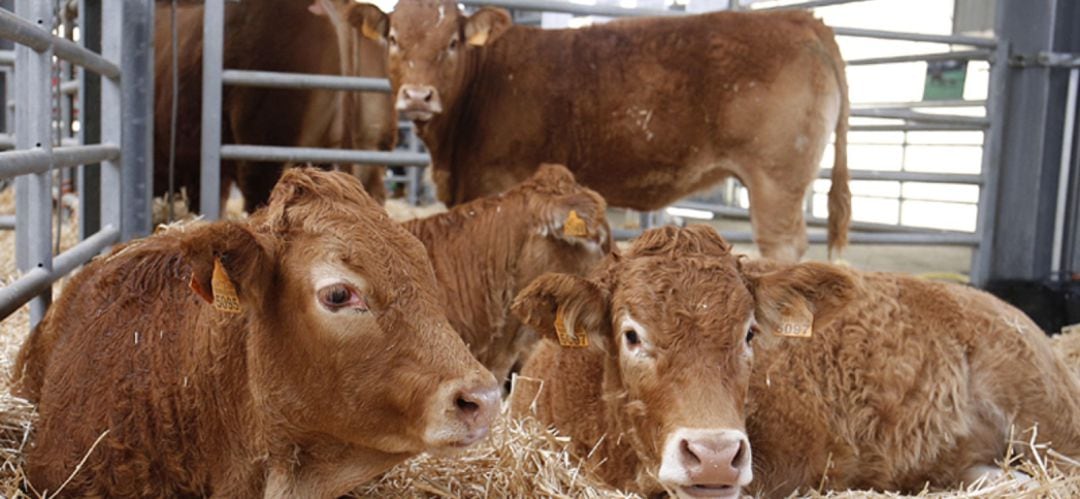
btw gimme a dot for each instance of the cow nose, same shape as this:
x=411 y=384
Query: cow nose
x=714 y=461
x=420 y=94
x=477 y=407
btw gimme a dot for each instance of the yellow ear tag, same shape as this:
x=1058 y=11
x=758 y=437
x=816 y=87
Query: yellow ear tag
x=574 y=226
x=478 y=39
x=369 y=32
x=578 y=340
x=225 y=298
x=797 y=321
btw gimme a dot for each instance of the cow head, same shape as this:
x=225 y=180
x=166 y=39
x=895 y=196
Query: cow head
x=430 y=44
x=569 y=232
x=675 y=318
x=345 y=334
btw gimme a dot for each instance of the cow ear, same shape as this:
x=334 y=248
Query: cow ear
x=372 y=22
x=485 y=25
x=228 y=264
x=576 y=219
x=797 y=300
x=568 y=309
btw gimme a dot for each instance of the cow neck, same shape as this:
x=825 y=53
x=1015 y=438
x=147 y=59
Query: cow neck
x=486 y=241
x=454 y=126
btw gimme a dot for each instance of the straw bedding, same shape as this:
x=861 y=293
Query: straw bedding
x=520 y=459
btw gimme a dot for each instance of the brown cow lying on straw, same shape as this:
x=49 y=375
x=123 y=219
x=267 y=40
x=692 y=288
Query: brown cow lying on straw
x=856 y=380
x=300 y=353
x=487 y=250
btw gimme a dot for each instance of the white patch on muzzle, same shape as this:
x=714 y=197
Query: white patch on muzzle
x=696 y=476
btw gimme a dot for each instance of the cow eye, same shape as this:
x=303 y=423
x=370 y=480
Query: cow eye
x=632 y=338
x=392 y=40
x=750 y=332
x=339 y=296
x=453 y=43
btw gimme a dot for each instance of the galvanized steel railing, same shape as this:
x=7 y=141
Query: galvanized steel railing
x=123 y=151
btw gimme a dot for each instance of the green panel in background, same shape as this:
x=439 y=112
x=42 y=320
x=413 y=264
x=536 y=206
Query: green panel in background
x=945 y=80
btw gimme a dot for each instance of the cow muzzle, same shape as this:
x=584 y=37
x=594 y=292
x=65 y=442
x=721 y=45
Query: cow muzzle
x=462 y=412
x=418 y=103
x=706 y=463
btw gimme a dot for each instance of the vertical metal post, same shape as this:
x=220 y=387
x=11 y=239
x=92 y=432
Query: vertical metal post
x=1063 y=174
x=32 y=124
x=137 y=119
x=111 y=103
x=991 y=165
x=213 y=61
x=89 y=176
x=415 y=173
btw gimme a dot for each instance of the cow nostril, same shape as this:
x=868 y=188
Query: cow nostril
x=427 y=96
x=740 y=455
x=688 y=453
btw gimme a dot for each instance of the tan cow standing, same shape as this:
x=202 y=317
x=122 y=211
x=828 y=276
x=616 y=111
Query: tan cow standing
x=888 y=382
x=297 y=354
x=486 y=251
x=298 y=36
x=644 y=111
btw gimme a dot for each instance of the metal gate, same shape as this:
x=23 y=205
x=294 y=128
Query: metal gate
x=124 y=65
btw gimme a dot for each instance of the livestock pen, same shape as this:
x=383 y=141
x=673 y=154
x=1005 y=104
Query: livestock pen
x=56 y=82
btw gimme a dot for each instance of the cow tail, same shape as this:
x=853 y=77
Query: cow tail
x=839 y=191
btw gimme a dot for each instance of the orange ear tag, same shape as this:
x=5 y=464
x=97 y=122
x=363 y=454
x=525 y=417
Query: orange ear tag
x=797 y=321
x=574 y=226
x=369 y=32
x=578 y=340
x=225 y=298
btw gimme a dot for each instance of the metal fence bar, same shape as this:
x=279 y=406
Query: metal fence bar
x=136 y=118
x=7 y=222
x=322 y=155
x=303 y=81
x=991 y=165
x=88 y=179
x=39 y=160
x=907 y=176
x=33 y=192
x=110 y=115
x=213 y=60
x=974 y=41
x=936 y=56
x=20 y=31
x=918 y=104
x=6 y=141
x=572 y=8
x=69 y=87
x=7 y=57
x=38 y=281
x=914 y=127
x=810 y=4
x=915 y=116
x=882 y=238
x=744 y=214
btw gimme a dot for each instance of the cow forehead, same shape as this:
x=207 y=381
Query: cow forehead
x=417 y=20
x=683 y=295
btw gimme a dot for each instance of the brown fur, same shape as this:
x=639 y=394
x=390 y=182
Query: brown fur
x=282 y=399
x=644 y=111
x=269 y=35
x=904 y=382
x=487 y=250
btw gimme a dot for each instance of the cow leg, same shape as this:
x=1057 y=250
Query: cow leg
x=776 y=213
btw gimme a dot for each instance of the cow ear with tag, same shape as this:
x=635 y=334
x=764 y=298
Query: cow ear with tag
x=228 y=265
x=372 y=22
x=570 y=310
x=799 y=300
x=485 y=25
